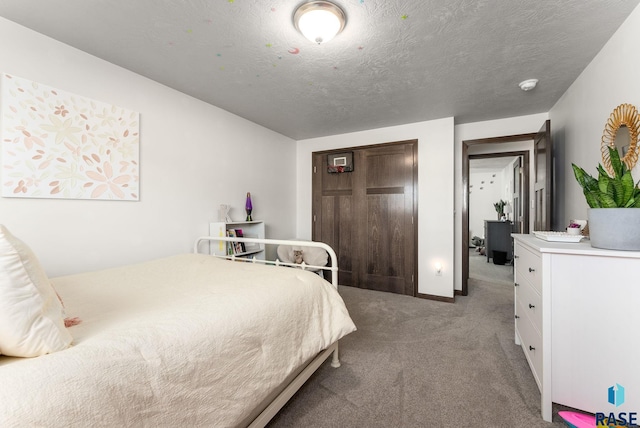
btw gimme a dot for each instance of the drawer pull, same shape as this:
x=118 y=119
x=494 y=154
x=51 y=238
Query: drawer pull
x=532 y=270
x=516 y=284
x=531 y=348
x=531 y=306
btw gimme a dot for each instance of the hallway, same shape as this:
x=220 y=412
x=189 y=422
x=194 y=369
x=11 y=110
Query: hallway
x=480 y=269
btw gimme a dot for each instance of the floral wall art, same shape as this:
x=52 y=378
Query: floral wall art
x=60 y=145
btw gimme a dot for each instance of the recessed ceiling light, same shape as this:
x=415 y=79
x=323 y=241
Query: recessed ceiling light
x=527 y=85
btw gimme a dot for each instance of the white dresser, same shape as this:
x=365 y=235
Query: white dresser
x=577 y=318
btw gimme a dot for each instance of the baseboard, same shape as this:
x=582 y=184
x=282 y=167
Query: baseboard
x=457 y=293
x=437 y=298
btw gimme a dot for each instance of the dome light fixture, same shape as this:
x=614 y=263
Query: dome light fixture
x=527 y=85
x=319 y=21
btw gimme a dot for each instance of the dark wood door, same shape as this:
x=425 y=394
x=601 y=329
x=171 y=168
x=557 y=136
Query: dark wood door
x=368 y=216
x=517 y=196
x=333 y=215
x=543 y=167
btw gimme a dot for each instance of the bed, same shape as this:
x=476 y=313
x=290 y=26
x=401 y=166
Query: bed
x=188 y=340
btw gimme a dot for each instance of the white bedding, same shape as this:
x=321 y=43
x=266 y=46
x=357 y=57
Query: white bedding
x=189 y=340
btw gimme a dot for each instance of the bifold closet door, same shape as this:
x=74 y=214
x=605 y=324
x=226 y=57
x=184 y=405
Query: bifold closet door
x=368 y=216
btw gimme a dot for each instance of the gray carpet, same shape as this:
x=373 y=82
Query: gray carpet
x=480 y=269
x=421 y=363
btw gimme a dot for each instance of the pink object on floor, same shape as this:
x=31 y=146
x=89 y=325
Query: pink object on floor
x=578 y=420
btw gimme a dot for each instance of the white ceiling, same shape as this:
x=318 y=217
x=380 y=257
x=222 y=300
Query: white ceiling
x=490 y=164
x=397 y=61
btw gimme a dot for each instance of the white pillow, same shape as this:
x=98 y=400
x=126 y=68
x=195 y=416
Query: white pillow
x=31 y=316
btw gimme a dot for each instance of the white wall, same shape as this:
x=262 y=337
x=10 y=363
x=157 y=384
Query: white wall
x=472 y=131
x=485 y=189
x=435 y=192
x=193 y=157
x=579 y=117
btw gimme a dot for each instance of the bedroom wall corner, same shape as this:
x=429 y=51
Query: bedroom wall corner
x=193 y=157
x=435 y=192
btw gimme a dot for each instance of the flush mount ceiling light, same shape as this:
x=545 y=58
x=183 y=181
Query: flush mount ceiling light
x=319 y=21
x=527 y=85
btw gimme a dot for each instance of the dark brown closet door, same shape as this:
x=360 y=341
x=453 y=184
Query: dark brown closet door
x=333 y=220
x=368 y=216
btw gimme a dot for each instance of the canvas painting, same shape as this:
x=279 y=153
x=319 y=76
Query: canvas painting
x=56 y=144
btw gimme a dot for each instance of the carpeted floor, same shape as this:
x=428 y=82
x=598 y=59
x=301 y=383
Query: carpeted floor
x=490 y=272
x=421 y=363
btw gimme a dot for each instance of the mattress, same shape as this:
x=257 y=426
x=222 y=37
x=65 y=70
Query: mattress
x=189 y=340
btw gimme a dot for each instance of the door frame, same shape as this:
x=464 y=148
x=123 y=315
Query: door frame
x=544 y=135
x=466 y=145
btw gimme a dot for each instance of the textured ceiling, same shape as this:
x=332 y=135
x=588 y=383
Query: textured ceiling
x=396 y=62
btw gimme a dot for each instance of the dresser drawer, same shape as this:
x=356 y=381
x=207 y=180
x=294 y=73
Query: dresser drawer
x=531 y=303
x=531 y=343
x=529 y=267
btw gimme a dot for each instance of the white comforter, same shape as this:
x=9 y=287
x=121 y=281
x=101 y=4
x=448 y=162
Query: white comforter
x=189 y=340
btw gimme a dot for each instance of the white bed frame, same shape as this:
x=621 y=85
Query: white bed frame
x=283 y=397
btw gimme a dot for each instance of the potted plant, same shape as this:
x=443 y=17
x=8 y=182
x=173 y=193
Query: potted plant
x=499 y=206
x=574 y=229
x=612 y=224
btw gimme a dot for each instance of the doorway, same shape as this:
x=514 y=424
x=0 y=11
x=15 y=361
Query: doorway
x=467 y=153
x=365 y=207
x=496 y=177
x=544 y=176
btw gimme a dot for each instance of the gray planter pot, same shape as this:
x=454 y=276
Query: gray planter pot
x=615 y=228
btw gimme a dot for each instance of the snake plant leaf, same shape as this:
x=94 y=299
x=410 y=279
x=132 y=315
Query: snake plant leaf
x=585 y=180
x=592 y=198
x=606 y=184
x=616 y=191
x=616 y=164
x=602 y=171
x=628 y=189
x=609 y=191
x=607 y=201
x=633 y=202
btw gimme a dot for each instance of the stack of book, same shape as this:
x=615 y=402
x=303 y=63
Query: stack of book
x=236 y=248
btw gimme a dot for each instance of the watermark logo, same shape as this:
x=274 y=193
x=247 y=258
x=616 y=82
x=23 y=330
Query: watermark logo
x=616 y=395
